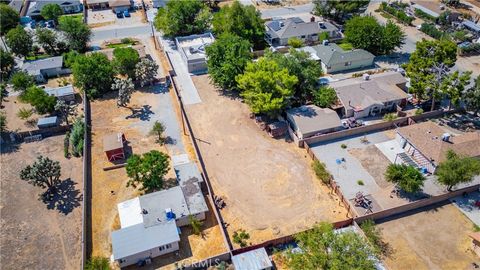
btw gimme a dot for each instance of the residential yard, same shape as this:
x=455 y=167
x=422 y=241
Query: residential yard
x=436 y=238
x=38 y=235
x=268 y=185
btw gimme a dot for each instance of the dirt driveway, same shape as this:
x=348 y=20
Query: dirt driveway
x=34 y=234
x=433 y=239
x=268 y=185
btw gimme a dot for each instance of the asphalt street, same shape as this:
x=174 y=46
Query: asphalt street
x=100 y=34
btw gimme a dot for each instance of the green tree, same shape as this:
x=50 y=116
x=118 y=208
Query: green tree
x=157 y=129
x=241 y=20
x=338 y=9
x=39 y=99
x=76 y=33
x=374 y=236
x=77 y=137
x=47 y=39
x=365 y=32
x=69 y=58
x=3 y=121
x=324 y=97
x=93 y=74
x=182 y=18
x=266 y=87
x=406 y=177
x=240 y=237
x=98 y=263
x=125 y=60
x=295 y=42
x=44 y=173
x=7 y=63
x=453 y=87
x=152 y=167
x=51 y=12
x=145 y=71
x=457 y=169
x=19 y=41
x=227 y=57
x=472 y=97
x=323 y=248
x=21 y=81
x=9 y=18
x=196 y=224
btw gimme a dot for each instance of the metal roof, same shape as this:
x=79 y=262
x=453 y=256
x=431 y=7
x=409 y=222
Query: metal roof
x=61 y=91
x=156 y=203
x=130 y=212
x=471 y=25
x=296 y=27
x=47 y=121
x=34 y=67
x=256 y=259
x=137 y=238
x=332 y=54
x=189 y=179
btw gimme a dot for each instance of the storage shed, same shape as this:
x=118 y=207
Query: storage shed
x=113 y=146
x=256 y=259
x=65 y=93
x=309 y=120
x=47 y=122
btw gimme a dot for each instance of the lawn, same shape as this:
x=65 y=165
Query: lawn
x=346 y=46
x=37 y=57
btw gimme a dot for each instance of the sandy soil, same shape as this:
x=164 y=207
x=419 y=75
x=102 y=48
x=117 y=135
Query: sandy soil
x=283 y=3
x=11 y=106
x=38 y=235
x=374 y=162
x=433 y=239
x=268 y=185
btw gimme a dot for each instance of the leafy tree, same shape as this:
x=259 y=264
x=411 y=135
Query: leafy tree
x=453 y=86
x=365 y=32
x=227 y=57
x=295 y=42
x=125 y=89
x=406 y=177
x=374 y=236
x=196 y=224
x=51 y=12
x=266 y=87
x=7 y=63
x=241 y=20
x=125 y=60
x=65 y=109
x=324 y=97
x=150 y=170
x=390 y=117
x=19 y=41
x=98 y=263
x=93 y=74
x=337 y=9
x=145 y=71
x=9 y=18
x=472 y=97
x=21 y=81
x=77 y=137
x=457 y=169
x=76 y=33
x=47 y=39
x=69 y=58
x=39 y=99
x=157 y=129
x=182 y=18
x=322 y=248
x=24 y=113
x=44 y=173
x=3 y=121
x=240 y=237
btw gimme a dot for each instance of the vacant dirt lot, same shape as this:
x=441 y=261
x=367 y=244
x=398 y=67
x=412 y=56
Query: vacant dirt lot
x=34 y=234
x=434 y=239
x=268 y=185
x=374 y=161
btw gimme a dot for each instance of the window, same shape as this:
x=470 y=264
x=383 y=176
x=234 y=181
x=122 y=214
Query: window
x=348 y=64
x=162 y=248
x=168 y=246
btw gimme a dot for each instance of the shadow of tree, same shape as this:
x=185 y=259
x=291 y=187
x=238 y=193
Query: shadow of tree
x=64 y=198
x=143 y=113
x=170 y=140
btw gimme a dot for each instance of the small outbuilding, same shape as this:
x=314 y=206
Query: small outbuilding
x=256 y=259
x=65 y=93
x=113 y=146
x=47 y=122
x=309 y=120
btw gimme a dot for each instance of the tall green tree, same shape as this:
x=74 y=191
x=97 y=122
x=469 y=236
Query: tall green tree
x=39 y=99
x=149 y=170
x=44 y=173
x=323 y=248
x=21 y=81
x=77 y=137
x=324 y=97
x=227 y=57
x=47 y=39
x=241 y=20
x=9 y=18
x=472 y=97
x=266 y=87
x=125 y=60
x=338 y=9
x=19 y=41
x=453 y=87
x=406 y=177
x=76 y=32
x=183 y=17
x=7 y=63
x=93 y=74
x=51 y=12
x=457 y=169
x=157 y=130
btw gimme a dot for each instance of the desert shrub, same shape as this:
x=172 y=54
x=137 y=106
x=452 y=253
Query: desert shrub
x=24 y=113
x=76 y=137
x=240 y=237
x=360 y=182
x=321 y=171
x=419 y=111
x=424 y=15
x=390 y=117
x=343 y=146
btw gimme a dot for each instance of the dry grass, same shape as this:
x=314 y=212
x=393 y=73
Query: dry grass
x=373 y=160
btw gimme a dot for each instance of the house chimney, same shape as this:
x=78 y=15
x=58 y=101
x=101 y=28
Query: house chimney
x=312 y=19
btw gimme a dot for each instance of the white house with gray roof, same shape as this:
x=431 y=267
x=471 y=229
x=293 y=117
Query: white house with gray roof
x=335 y=59
x=279 y=31
x=310 y=120
x=192 y=49
x=43 y=69
x=67 y=6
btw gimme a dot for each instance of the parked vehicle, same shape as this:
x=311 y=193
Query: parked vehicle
x=119 y=15
x=126 y=13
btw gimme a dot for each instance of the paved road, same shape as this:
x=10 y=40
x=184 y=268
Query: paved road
x=100 y=34
x=287 y=11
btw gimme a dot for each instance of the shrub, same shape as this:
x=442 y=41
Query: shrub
x=295 y=42
x=374 y=236
x=324 y=96
x=397 y=13
x=240 y=237
x=360 y=183
x=323 y=36
x=66 y=145
x=196 y=224
x=432 y=31
x=419 y=111
x=343 y=146
x=24 y=113
x=97 y=263
x=76 y=137
x=321 y=171
x=424 y=15
x=127 y=41
x=390 y=117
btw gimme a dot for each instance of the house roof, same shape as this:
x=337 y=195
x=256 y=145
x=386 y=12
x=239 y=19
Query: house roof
x=332 y=54
x=310 y=118
x=35 y=7
x=432 y=8
x=61 y=91
x=156 y=203
x=471 y=25
x=256 y=259
x=119 y=3
x=193 y=46
x=47 y=121
x=189 y=179
x=35 y=67
x=93 y=2
x=130 y=212
x=295 y=27
x=426 y=137
x=358 y=94
x=16 y=5
x=112 y=141
x=137 y=238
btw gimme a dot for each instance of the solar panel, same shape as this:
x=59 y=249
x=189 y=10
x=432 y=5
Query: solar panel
x=407 y=160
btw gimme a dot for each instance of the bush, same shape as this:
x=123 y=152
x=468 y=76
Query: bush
x=360 y=183
x=321 y=171
x=24 y=113
x=323 y=36
x=76 y=137
x=295 y=42
x=374 y=236
x=127 y=41
x=343 y=146
x=324 y=97
x=424 y=15
x=408 y=178
x=419 y=111
x=240 y=237
x=432 y=31
x=66 y=145
x=97 y=263
x=397 y=13
x=41 y=101
x=390 y=117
